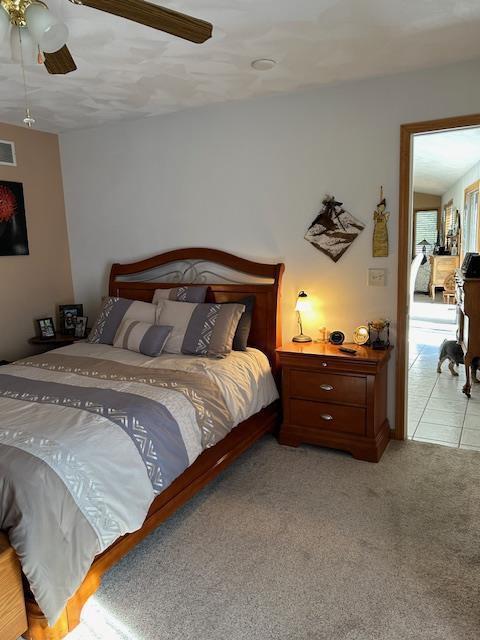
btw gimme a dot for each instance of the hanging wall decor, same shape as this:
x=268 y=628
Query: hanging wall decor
x=13 y=226
x=334 y=229
x=380 y=232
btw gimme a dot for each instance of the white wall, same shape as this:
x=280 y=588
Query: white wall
x=249 y=177
x=457 y=191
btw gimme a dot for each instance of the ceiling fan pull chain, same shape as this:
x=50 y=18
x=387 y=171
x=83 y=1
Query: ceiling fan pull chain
x=28 y=120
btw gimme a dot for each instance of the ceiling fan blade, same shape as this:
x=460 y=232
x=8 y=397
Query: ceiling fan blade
x=60 y=62
x=151 y=15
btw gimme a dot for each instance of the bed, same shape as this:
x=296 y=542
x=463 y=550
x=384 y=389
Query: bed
x=229 y=279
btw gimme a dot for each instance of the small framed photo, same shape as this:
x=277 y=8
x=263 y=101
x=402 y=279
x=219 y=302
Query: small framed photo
x=68 y=315
x=46 y=328
x=80 y=326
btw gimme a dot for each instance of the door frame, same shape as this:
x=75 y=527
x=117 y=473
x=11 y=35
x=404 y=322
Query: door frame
x=407 y=131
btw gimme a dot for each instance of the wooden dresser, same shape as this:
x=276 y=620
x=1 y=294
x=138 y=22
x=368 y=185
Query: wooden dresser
x=440 y=268
x=335 y=399
x=13 y=620
x=468 y=319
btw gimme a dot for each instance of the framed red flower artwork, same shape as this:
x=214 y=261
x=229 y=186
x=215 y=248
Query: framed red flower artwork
x=13 y=225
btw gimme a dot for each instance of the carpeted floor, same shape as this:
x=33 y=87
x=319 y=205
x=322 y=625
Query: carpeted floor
x=297 y=544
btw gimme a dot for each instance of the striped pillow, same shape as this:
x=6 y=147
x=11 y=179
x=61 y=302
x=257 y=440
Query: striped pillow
x=113 y=311
x=142 y=337
x=181 y=294
x=200 y=329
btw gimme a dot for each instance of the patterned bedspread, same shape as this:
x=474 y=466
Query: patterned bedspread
x=85 y=446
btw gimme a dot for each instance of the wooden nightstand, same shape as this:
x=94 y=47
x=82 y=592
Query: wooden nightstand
x=13 y=620
x=57 y=341
x=335 y=399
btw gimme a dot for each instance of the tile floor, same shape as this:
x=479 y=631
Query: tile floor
x=438 y=411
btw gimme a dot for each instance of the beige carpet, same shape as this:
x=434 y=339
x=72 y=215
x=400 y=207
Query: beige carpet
x=295 y=544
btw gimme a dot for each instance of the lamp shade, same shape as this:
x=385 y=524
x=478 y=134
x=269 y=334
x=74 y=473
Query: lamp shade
x=4 y=22
x=303 y=303
x=21 y=41
x=48 y=31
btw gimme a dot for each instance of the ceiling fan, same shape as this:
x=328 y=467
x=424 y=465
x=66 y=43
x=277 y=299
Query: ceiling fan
x=36 y=29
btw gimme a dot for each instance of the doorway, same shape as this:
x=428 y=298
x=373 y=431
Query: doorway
x=437 y=227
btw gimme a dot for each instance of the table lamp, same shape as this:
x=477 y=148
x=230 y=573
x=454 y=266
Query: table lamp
x=303 y=304
x=424 y=244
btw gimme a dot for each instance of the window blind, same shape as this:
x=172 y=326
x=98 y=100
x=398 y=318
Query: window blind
x=426 y=228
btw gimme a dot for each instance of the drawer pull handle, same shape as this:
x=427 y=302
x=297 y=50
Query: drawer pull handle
x=326 y=387
x=324 y=364
x=326 y=416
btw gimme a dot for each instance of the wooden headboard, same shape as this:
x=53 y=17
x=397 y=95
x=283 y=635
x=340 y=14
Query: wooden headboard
x=229 y=278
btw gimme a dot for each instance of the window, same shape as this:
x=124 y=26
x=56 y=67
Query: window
x=449 y=221
x=471 y=218
x=426 y=228
x=7 y=153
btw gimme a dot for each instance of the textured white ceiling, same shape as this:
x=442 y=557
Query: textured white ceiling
x=440 y=159
x=126 y=70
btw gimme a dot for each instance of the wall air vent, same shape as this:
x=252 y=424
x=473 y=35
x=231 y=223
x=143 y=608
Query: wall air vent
x=7 y=153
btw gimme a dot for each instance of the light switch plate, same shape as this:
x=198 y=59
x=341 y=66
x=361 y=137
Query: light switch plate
x=377 y=277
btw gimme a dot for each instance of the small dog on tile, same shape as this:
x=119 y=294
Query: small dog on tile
x=450 y=350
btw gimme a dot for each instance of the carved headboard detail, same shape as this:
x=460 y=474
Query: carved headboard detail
x=229 y=278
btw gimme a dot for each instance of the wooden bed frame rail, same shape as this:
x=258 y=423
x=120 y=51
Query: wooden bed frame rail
x=265 y=334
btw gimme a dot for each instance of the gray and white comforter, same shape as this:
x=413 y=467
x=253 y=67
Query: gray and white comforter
x=85 y=446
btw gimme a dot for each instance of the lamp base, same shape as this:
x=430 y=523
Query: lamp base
x=301 y=338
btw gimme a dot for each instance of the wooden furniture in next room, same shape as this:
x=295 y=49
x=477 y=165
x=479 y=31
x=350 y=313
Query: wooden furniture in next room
x=13 y=620
x=440 y=268
x=449 y=289
x=335 y=399
x=468 y=319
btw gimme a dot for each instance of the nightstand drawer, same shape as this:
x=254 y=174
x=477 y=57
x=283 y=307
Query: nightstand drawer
x=327 y=387
x=328 y=417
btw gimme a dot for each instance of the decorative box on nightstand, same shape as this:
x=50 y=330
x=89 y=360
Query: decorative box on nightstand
x=335 y=399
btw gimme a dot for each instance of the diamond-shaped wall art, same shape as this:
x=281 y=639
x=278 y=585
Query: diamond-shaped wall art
x=334 y=229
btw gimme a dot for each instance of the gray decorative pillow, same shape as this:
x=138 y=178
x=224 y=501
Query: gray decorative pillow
x=240 y=339
x=113 y=311
x=200 y=329
x=181 y=294
x=142 y=337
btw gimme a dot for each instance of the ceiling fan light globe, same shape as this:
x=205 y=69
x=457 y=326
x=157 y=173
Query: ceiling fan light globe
x=48 y=31
x=4 y=22
x=21 y=42
x=54 y=38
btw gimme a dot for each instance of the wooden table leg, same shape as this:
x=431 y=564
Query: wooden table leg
x=38 y=628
